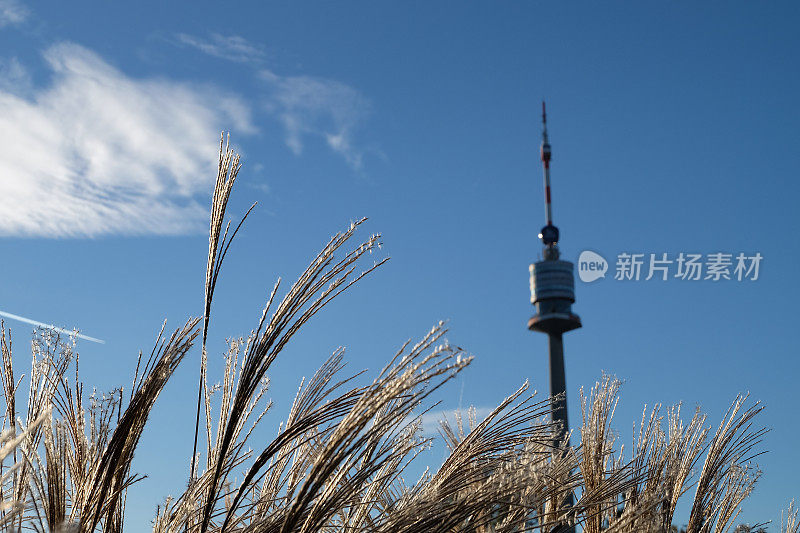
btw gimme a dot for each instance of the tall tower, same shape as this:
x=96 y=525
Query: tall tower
x=553 y=293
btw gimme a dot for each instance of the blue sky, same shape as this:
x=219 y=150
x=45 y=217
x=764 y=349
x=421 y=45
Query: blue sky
x=674 y=129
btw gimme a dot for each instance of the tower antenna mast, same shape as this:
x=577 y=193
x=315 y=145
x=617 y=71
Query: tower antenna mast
x=546 y=155
x=549 y=233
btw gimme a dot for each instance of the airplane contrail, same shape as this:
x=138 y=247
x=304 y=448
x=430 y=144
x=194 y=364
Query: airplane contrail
x=50 y=326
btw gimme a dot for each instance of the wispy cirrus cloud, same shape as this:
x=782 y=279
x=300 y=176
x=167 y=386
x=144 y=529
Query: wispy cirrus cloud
x=14 y=78
x=97 y=152
x=306 y=106
x=231 y=47
x=12 y=12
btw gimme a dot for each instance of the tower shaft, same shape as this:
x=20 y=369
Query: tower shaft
x=558 y=385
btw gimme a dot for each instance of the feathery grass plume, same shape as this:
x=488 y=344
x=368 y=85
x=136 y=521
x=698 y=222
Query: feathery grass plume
x=176 y=512
x=82 y=452
x=48 y=363
x=325 y=278
x=55 y=486
x=9 y=395
x=79 y=473
x=50 y=358
x=76 y=480
x=112 y=474
x=663 y=462
x=792 y=524
x=12 y=511
x=227 y=171
x=597 y=449
x=727 y=478
x=494 y=479
x=363 y=445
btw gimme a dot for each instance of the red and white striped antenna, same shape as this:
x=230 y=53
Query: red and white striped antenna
x=546 y=154
x=549 y=233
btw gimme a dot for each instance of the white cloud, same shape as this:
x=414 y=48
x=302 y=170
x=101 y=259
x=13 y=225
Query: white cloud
x=431 y=420
x=12 y=12
x=97 y=152
x=305 y=105
x=232 y=47
x=14 y=78
x=308 y=105
x=263 y=187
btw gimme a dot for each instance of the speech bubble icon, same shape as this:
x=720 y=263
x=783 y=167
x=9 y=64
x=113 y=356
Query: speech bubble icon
x=591 y=266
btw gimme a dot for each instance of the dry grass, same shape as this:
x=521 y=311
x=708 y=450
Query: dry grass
x=338 y=461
